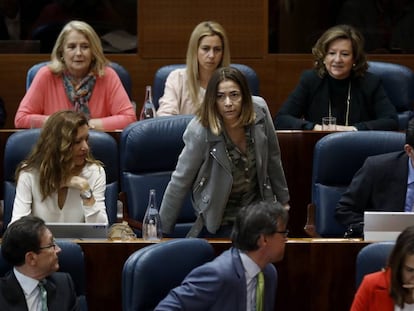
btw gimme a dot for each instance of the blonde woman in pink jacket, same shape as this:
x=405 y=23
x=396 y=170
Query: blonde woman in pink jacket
x=77 y=78
x=208 y=49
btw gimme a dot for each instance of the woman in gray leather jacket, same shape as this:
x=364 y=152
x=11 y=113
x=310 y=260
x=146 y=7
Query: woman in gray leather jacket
x=231 y=158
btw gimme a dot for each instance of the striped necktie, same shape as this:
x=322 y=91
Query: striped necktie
x=43 y=295
x=260 y=292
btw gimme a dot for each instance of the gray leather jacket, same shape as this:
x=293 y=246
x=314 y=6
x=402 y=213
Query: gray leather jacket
x=204 y=165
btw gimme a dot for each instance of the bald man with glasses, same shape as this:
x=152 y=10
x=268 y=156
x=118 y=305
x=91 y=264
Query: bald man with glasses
x=34 y=284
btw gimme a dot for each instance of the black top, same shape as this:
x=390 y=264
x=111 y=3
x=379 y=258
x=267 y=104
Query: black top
x=369 y=109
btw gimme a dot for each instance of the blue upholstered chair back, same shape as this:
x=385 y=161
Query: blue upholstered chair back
x=19 y=145
x=151 y=272
x=149 y=151
x=71 y=261
x=163 y=72
x=123 y=74
x=372 y=258
x=398 y=81
x=337 y=157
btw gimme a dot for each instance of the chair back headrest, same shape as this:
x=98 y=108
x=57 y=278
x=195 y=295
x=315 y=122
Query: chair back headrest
x=153 y=145
x=149 y=153
x=336 y=159
x=151 y=272
x=159 y=81
x=124 y=76
x=398 y=82
x=32 y=72
x=372 y=258
x=338 y=156
x=71 y=260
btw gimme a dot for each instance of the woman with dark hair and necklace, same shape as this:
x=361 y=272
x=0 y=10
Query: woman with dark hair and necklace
x=339 y=86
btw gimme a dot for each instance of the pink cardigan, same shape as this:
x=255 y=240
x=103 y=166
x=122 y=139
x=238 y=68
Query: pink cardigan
x=46 y=95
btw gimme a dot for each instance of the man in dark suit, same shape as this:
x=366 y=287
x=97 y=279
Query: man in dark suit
x=229 y=282
x=384 y=183
x=29 y=246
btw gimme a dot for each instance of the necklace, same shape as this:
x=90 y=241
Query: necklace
x=348 y=102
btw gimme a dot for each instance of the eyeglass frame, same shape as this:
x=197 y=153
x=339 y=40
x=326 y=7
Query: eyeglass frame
x=284 y=232
x=53 y=244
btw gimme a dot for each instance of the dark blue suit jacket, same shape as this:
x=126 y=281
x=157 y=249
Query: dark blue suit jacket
x=379 y=185
x=61 y=294
x=218 y=285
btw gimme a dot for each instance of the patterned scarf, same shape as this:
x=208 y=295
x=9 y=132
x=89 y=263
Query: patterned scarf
x=80 y=93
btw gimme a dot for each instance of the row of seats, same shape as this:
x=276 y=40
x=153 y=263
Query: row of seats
x=398 y=83
x=148 y=153
x=144 y=281
x=159 y=78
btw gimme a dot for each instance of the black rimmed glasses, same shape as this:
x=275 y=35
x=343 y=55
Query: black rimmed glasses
x=284 y=233
x=51 y=245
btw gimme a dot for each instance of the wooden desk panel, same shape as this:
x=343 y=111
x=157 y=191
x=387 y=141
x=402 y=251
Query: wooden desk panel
x=296 y=148
x=314 y=276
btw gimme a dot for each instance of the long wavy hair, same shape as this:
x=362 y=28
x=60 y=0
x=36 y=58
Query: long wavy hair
x=99 y=61
x=207 y=28
x=52 y=155
x=321 y=47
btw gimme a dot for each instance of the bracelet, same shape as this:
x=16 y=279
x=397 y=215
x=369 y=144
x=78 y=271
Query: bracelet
x=86 y=194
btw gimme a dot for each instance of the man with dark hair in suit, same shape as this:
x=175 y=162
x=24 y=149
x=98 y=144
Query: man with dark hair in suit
x=230 y=282
x=384 y=183
x=34 y=284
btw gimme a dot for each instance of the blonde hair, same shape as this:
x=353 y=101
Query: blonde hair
x=52 y=155
x=99 y=60
x=206 y=28
x=208 y=113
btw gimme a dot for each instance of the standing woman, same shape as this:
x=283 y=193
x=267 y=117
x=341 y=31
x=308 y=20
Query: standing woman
x=60 y=181
x=77 y=78
x=338 y=86
x=208 y=49
x=231 y=158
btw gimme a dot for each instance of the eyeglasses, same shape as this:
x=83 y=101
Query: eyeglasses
x=285 y=233
x=53 y=244
x=233 y=96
